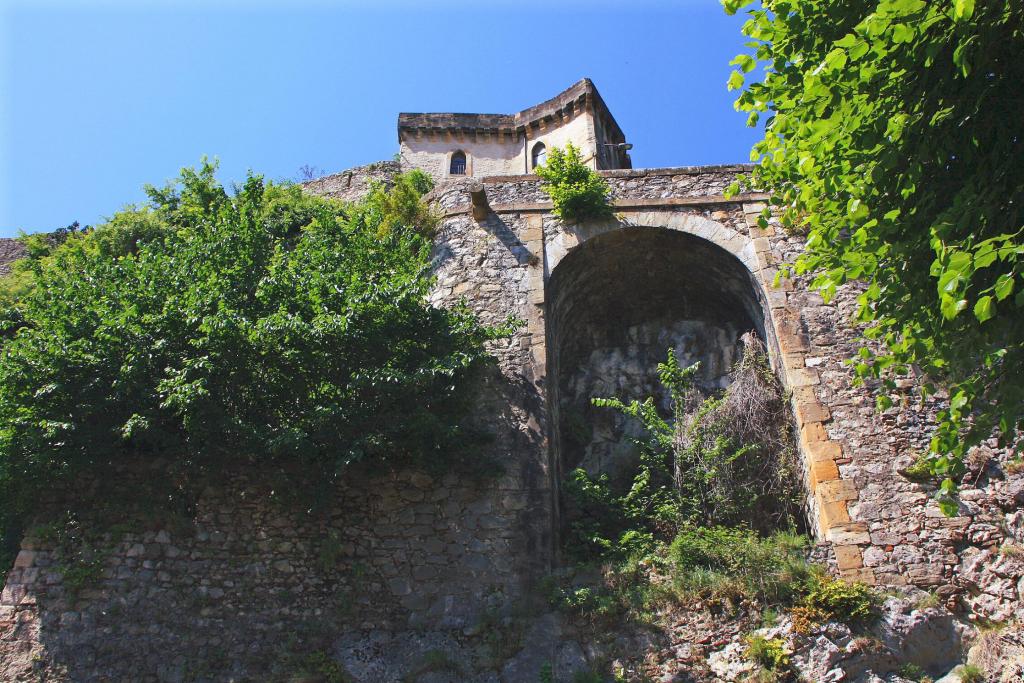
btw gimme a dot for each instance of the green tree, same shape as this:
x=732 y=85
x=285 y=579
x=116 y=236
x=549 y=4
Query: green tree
x=215 y=329
x=893 y=140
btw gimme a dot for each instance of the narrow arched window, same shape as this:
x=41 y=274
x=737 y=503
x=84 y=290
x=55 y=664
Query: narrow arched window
x=458 y=165
x=540 y=154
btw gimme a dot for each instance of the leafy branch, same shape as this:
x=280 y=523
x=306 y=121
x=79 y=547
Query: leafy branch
x=893 y=141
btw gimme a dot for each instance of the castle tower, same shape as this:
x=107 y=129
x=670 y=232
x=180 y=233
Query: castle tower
x=449 y=145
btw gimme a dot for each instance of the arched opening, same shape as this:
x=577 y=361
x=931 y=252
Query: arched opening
x=539 y=155
x=457 y=166
x=615 y=305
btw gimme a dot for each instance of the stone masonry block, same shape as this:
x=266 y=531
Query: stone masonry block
x=803 y=377
x=767 y=277
x=832 y=514
x=854 y=533
x=735 y=245
x=755 y=230
x=823 y=450
x=848 y=557
x=664 y=218
x=789 y=340
x=823 y=470
x=777 y=298
x=535 y=322
x=805 y=395
x=809 y=411
x=536 y=279
x=765 y=259
x=811 y=432
x=840 y=489
x=795 y=361
x=858 y=574
x=536 y=249
x=534 y=230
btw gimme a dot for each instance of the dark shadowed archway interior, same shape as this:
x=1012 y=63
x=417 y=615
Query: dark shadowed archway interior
x=615 y=305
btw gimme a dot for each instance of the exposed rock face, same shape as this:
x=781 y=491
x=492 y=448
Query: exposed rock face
x=993 y=579
x=1000 y=653
x=10 y=250
x=930 y=639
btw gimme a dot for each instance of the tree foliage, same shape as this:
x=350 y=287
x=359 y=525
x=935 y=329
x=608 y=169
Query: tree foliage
x=893 y=139
x=209 y=327
x=577 y=191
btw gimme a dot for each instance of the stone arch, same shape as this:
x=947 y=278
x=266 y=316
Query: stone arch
x=617 y=296
x=728 y=239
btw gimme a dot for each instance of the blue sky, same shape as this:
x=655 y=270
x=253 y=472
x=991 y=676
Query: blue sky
x=100 y=97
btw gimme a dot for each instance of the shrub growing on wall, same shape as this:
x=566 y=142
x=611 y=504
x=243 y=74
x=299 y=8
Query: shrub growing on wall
x=577 y=191
x=721 y=460
x=209 y=326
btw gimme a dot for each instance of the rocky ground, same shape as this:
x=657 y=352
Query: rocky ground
x=912 y=640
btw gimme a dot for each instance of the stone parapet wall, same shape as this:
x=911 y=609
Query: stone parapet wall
x=355 y=183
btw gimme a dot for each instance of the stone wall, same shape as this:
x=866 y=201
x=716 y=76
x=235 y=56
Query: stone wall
x=223 y=595
x=407 y=552
x=884 y=527
x=353 y=184
x=972 y=559
x=420 y=561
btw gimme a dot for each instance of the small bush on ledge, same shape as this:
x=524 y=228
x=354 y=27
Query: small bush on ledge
x=577 y=191
x=769 y=653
